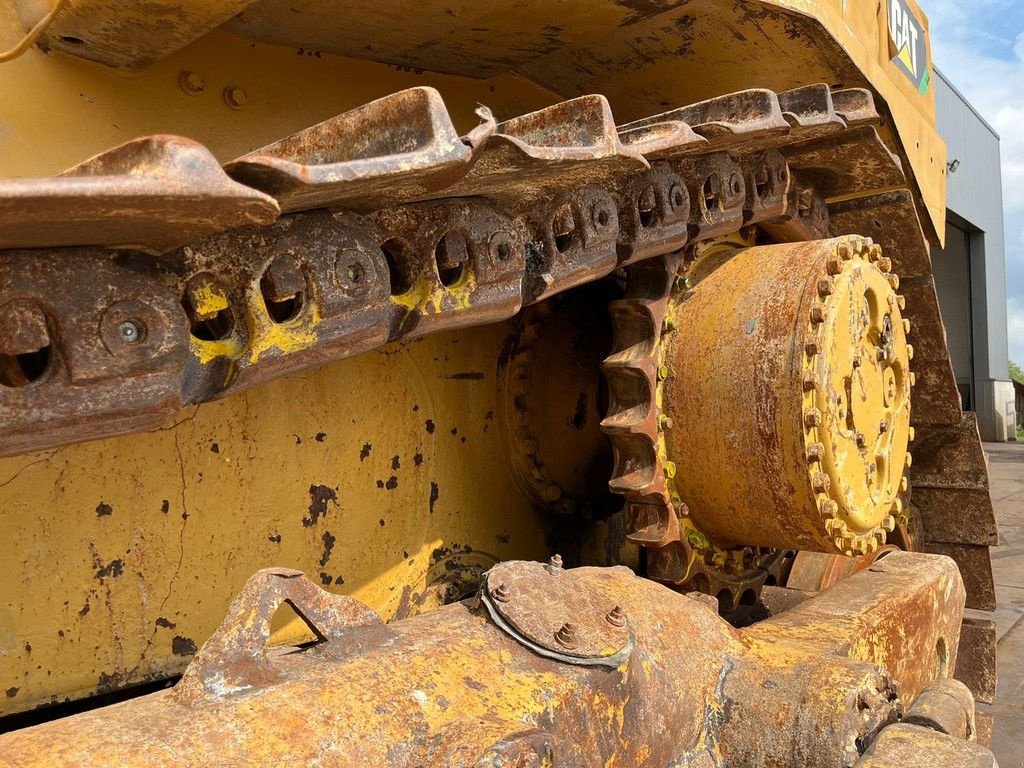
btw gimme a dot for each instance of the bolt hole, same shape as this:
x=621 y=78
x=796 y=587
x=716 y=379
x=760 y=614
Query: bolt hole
x=648 y=216
x=216 y=327
x=281 y=308
x=603 y=217
x=700 y=583
x=736 y=184
x=451 y=254
x=563 y=242
x=356 y=272
x=677 y=198
x=395 y=253
x=712 y=189
x=21 y=370
x=504 y=253
x=876 y=223
x=72 y=40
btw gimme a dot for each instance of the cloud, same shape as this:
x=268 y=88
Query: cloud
x=979 y=46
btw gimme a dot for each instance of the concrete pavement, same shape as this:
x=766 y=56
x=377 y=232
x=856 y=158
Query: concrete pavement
x=1006 y=469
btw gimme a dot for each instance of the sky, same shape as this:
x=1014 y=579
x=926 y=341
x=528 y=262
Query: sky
x=979 y=46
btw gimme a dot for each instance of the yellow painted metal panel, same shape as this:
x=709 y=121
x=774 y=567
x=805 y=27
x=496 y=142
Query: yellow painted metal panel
x=375 y=475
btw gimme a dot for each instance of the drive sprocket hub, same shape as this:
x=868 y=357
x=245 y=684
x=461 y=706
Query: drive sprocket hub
x=779 y=403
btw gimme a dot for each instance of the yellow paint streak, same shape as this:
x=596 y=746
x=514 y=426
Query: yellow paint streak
x=289 y=337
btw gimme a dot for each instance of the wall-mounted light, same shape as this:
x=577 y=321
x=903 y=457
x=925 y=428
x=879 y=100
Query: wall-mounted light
x=953 y=165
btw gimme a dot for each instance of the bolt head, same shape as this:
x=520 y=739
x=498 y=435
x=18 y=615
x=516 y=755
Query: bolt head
x=129 y=331
x=567 y=636
x=501 y=593
x=555 y=562
x=616 y=617
x=235 y=97
x=191 y=83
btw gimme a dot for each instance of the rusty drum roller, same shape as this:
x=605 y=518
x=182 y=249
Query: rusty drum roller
x=788 y=387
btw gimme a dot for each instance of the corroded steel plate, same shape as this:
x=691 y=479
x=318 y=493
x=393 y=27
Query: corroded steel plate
x=558 y=612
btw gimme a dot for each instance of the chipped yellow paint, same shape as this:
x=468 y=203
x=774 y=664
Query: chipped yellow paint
x=423 y=297
x=207 y=299
x=292 y=336
x=208 y=351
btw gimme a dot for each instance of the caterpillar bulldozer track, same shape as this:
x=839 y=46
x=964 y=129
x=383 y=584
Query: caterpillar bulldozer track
x=407 y=297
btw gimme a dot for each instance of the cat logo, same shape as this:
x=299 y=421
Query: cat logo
x=908 y=46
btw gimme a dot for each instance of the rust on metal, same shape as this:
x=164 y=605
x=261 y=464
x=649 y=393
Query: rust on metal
x=152 y=194
x=453 y=687
x=391 y=150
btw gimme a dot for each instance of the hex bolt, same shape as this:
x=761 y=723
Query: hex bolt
x=129 y=331
x=811 y=347
x=861 y=440
x=664 y=422
x=844 y=251
x=564 y=222
x=883 y=426
x=810 y=382
x=282 y=280
x=815 y=452
x=825 y=287
x=191 y=83
x=502 y=593
x=235 y=97
x=616 y=617
x=668 y=324
x=875 y=253
x=669 y=467
x=884 y=264
x=834 y=266
x=856 y=362
x=821 y=483
x=894 y=281
x=662 y=372
x=812 y=417
x=817 y=315
x=567 y=636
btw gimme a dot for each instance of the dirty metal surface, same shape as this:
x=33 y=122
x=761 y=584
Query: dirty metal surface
x=912 y=746
x=392 y=150
x=152 y=194
x=236 y=656
x=853 y=162
x=569 y=620
x=260 y=303
x=123 y=33
x=817 y=571
x=829 y=408
x=453 y=688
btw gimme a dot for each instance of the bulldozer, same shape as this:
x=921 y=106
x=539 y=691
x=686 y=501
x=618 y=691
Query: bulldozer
x=482 y=384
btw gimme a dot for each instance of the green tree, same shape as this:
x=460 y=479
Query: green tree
x=1016 y=373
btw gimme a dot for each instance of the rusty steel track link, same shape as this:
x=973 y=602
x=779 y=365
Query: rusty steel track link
x=426 y=231
x=508 y=215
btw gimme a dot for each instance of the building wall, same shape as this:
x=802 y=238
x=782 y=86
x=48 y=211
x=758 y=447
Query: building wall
x=975 y=202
